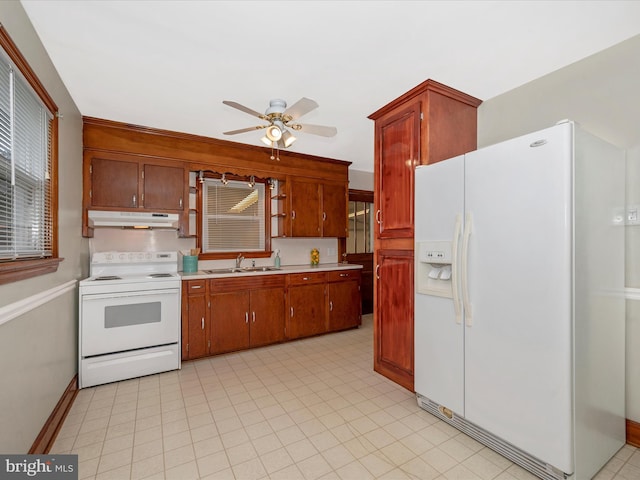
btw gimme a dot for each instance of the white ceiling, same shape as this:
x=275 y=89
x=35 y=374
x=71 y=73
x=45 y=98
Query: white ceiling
x=169 y=64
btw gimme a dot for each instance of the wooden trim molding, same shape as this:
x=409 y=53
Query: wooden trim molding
x=49 y=432
x=23 y=269
x=205 y=153
x=12 y=50
x=427 y=85
x=633 y=433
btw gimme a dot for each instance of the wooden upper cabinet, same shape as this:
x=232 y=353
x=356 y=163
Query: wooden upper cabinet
x=164 y=187
x=307 y=208
x=334 y=210
x=305 y=202
x=132 y=182
x=114 y=183
x=398 y=152
x=129 y=167
x=430 y=123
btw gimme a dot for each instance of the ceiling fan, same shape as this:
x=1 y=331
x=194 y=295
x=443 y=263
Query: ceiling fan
x=281 y=119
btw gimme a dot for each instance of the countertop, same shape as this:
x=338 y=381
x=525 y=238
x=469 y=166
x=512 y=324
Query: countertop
x=323 y=267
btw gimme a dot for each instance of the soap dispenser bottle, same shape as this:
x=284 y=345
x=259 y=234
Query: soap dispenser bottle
x=276 y=260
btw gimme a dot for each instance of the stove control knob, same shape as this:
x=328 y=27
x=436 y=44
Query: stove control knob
x=122 y=256
x=148 y=256
x=131 y=256
x=141 y=256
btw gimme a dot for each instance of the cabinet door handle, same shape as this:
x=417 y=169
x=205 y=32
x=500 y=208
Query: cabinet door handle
x=330 y=306
x=246 y=317
x=180 y=202
x=134 y=200
x=291 y=312
x=253 y=317
x=378 y=217
x=202 y=320
x=378 y=271
x=293 y=214
x=305 y=278
x=324 y=216
x=193 y=287
x=344 y=274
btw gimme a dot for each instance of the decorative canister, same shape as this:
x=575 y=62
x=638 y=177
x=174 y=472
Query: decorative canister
x=315 y=257
x=190 y=263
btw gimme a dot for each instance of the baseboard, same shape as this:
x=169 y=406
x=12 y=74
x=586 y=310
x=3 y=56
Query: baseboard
x=633 y=433
x=49 y=432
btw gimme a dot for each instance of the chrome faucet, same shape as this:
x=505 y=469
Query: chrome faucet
x=239 y=260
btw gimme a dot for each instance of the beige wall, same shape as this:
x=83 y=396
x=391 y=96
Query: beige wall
x=360 y=180
x=38 y=349
x=601 y=94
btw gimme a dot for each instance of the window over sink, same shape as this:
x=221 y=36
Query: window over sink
x=233 y=216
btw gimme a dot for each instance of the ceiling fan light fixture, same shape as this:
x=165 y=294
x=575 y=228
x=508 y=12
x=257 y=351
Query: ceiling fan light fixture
x=274 y=133
x=266 y=141
x=288 y=138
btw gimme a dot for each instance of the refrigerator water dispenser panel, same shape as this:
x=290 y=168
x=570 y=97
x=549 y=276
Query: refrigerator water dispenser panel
x=434 y=269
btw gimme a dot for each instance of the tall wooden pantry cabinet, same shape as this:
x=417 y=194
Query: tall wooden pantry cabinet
x=430 y=123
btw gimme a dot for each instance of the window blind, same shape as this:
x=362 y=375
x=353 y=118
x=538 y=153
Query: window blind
x=233 y=217
x=25 y=162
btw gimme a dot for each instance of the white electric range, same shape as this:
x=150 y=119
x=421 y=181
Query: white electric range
x=129 y=310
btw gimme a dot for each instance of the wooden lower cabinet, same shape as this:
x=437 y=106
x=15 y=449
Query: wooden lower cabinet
x=229 y=321
x=246 y=312
x=195 y=319
x=307 y=304
x=266 y=317
x=345 y=307
x=228 y=314
x=393 y=319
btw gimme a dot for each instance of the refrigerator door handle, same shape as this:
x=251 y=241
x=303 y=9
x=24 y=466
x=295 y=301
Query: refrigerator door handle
x=455 y=288
x=465 y=275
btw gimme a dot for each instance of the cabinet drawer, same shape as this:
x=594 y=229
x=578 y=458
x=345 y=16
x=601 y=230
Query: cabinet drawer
x=341 y=275
x=196 y=286
x=307 y=278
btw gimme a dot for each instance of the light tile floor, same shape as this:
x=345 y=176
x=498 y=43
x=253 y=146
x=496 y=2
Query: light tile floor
x=311 y=409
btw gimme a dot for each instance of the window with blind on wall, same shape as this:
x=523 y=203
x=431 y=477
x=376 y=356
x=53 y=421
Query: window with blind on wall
x=25 y=179
x=233 y=217
x=28 y=162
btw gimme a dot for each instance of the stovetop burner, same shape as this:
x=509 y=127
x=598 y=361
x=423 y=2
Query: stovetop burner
x=161 y=275
x=107 y=277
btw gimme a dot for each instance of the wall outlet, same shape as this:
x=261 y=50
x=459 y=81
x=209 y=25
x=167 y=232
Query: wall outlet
x=633 y=215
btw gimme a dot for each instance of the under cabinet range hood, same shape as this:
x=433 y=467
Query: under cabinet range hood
x=101 y=218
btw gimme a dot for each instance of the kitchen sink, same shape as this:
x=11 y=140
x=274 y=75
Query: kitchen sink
x=241 y=270
x=259 y=269
x=223 y=270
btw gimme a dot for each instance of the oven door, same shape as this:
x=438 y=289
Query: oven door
x=117 y=322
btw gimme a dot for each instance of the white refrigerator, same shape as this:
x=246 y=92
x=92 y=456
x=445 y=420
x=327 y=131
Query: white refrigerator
x=519 y=301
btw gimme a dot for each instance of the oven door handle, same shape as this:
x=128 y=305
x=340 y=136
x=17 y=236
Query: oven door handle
x=137 y=293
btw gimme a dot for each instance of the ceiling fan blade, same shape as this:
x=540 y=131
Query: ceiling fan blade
x=243 y=130
x=316 y=130
x=300 y=108
x=244 y=109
